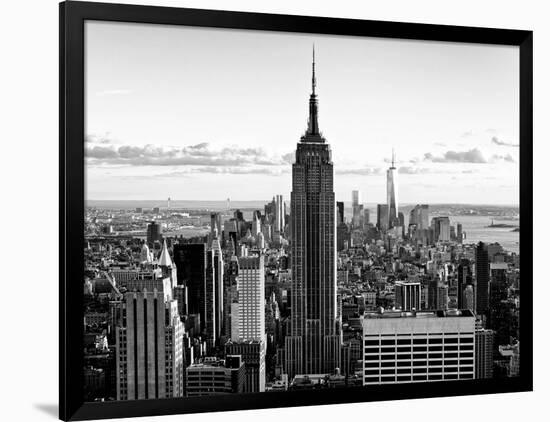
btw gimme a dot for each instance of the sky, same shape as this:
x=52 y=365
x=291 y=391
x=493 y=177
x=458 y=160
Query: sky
x=206 y=114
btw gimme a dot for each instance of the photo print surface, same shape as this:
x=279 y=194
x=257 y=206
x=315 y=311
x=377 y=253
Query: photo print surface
x=270 y=211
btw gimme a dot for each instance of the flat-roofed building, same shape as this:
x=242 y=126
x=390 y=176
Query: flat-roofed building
x=215 y=376
x=404 y=347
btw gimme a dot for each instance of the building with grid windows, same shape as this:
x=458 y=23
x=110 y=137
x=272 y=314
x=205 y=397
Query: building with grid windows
x=313 y=343
x=149 y=342
x=214 y=376
x=418 y=346
x=248 y=322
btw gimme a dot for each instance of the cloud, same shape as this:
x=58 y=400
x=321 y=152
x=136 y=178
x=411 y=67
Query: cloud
x=470 y=156
x=413 y=170
x=270 y=171
x=101 y=153
x=289 y=158
x=440 y=144
x=497 y=141
x=507 y=158
x=361 y=171
x=467 y=134
x=202 y=154
x=98 y=139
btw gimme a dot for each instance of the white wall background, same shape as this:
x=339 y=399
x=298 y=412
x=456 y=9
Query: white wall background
x=29 y=211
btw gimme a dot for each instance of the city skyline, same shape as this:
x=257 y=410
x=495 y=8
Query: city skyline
x=474 y=139
x=291 y=295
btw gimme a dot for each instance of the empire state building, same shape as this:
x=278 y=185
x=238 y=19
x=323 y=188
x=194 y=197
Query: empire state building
x=313 y=344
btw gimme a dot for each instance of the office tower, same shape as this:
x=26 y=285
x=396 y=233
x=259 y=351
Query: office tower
x=500 y=316
x=156 y=210
x=442 y=229
x=256 y=224
x=214 y=293
x=356 y=208
x=418 y=347
x=342 y=237
x=341 y=227
x=266 y=231
x=340 y=210
x=482 y=278
x=465 y=278
x=249 y=319
x=190 y=260
x=401 y=219
x=366 y=216
x=230 y=293
x=149 y=342
x=253 y=354
x=391 y=186
x=442 y=299
x=469 y=298
x=355 y=198
x=279 y=214
x=215 y=376
x=420 y=216
x=261 y=241
x=484 y=353
x=154 y=233
x=313 y=344
x=167 y=267
x=407 y=295
x=381 y=217
x=215 y=225
x=459 y=234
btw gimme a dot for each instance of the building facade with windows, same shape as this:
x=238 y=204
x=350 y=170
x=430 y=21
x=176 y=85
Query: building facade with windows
x=418 y=346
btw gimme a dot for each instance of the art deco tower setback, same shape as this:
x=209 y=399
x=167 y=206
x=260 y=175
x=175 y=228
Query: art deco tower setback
x=313 y=345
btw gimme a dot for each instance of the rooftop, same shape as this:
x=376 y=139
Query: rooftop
x=451 y=313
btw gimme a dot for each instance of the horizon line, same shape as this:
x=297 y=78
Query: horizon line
x=268 y=200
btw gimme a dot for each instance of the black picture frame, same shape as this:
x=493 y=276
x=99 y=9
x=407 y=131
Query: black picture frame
x=72 y=16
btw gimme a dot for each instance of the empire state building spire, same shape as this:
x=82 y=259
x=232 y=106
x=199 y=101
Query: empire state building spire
x=313 y=124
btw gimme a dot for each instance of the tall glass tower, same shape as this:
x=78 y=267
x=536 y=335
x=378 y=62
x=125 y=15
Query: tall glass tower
x=313 y=345
x=393 y=216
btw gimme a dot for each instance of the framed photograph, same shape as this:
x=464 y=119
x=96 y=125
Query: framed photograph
x=264 y=211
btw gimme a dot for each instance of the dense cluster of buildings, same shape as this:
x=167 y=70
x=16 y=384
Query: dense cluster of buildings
x=303 y=298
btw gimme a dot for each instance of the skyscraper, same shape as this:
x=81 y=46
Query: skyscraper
x=248 y=322
x=149 y=342
x=459 y=235
x=420 y=215
x=382 y=217
x=313 y=344
x=482 y=278
x=279 y=213
x=484 y=353
x=356 y=208
x=154 y=233
x=442 y=229
x=392 y=194
x=190 y=260
x=340 y=207
x=465 y=278
x=214 y=293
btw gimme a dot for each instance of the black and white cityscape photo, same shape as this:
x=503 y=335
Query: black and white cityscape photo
x=271 y=211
